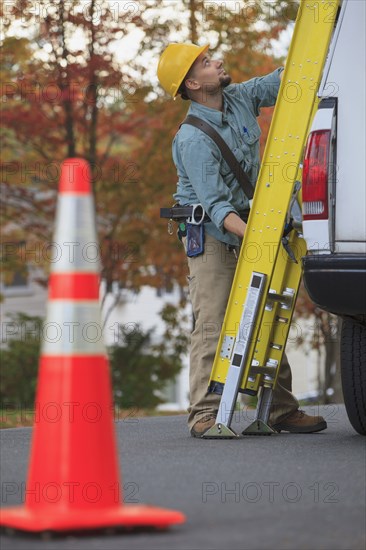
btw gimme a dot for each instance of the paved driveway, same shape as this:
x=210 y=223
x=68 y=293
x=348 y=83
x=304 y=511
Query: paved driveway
x=281 y=492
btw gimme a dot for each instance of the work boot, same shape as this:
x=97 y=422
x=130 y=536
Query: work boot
x=298 y=422
x=203 y=425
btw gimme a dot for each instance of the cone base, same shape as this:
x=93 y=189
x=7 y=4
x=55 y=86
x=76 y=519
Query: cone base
x=127 y=516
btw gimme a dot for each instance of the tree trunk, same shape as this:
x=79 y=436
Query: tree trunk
x=92 y=96
x=65 y=87
x=331 y=385
x=337 y=383
x=193 y=21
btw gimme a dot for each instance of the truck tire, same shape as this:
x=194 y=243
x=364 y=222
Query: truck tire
x=353 y=373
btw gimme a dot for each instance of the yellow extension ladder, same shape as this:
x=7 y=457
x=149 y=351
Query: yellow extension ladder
x=268 y=274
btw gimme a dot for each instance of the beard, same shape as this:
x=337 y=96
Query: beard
x=210 y=88
x=225 y=80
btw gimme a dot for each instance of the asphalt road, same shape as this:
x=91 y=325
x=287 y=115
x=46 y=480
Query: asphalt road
x=281 y=492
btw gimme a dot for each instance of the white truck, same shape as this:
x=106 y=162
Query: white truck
x=334 y=201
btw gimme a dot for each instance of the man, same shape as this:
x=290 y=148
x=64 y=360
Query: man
x=204 y=177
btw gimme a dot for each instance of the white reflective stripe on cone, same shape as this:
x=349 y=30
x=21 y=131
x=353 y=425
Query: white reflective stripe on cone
x=73 y=328
x=75 y=246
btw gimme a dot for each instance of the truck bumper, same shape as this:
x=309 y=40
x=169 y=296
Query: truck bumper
x=337 y=282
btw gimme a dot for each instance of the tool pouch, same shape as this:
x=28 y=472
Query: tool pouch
x=195 y=239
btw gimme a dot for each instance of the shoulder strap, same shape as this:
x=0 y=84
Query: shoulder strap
x=228 y=155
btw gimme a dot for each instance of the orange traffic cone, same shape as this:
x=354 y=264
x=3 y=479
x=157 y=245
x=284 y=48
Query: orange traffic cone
x=73 y=481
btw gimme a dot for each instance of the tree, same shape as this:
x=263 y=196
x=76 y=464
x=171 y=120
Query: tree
x=141 y=368
x=324 y=338
x=64 y=95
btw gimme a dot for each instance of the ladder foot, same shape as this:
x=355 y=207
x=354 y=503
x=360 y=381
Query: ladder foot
x=220 y=431
x=258 y=427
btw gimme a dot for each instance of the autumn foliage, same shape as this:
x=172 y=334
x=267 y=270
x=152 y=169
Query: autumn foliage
x=66 y=93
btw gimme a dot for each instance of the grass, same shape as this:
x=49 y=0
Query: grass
x=16 y=418
x=23 y=418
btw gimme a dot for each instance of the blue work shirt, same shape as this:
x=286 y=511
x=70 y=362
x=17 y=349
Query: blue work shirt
x=204 y=176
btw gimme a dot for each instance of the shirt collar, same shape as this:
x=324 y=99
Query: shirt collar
x=208 y=114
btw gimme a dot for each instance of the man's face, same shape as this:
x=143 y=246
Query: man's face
x=210 y=75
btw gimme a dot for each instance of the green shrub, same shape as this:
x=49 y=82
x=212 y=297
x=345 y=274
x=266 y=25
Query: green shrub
x=19 y=362
x=140 y=370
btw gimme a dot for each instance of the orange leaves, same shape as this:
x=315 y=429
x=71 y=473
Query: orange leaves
x=64 y=93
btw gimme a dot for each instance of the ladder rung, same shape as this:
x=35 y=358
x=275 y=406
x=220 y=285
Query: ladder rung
x=273 y=345
x=281 y=319
x=269 y=368
x=261 y=370
x=285 y=299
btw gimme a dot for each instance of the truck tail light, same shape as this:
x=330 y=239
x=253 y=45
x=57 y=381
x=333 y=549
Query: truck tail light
x=315 y=176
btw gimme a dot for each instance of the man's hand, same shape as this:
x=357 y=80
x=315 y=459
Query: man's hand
x=235 y=224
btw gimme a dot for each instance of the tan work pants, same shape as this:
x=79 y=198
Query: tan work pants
x=210 y=280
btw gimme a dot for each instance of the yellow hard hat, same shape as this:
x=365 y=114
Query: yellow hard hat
x=174 y=64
